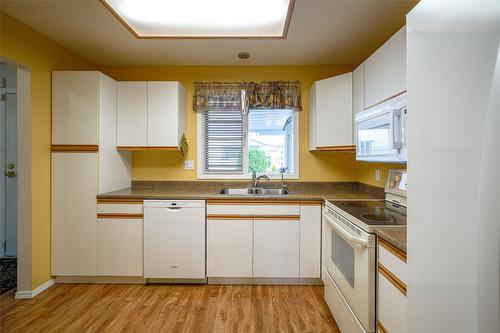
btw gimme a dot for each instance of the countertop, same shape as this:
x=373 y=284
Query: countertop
x=300 y=191
x=395 y=236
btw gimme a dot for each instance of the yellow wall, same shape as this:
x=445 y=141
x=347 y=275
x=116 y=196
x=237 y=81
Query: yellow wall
x=28 y=48
x=169 y=165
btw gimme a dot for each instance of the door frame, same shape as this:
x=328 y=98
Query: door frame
x=24 y=218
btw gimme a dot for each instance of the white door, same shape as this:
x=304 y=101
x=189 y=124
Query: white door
x=119 y=251
x=276 y=248
x=74 y=220
x=131 y=114
x=334 y=111
x=10 y=174
x=229 y=248
x=163 y=114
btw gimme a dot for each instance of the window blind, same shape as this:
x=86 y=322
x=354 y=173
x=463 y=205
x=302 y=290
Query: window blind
x=223 y=141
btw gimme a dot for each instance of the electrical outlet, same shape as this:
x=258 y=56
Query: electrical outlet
x=377 y=175
x=189 y=165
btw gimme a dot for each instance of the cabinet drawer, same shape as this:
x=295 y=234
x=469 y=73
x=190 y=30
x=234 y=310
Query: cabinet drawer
x=393 y=259
x=111 y=208
x=391 y=307
x=253 y=209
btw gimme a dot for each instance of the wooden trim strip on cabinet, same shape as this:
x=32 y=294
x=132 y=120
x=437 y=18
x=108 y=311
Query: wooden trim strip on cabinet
x=74 y=148
x=381 y=328
x=119 y=201
x=263 y=202
x=147 y=148
x=391 y=248
x=336 y=148
x=392 y=278
x=119 y=216
x=252 y=217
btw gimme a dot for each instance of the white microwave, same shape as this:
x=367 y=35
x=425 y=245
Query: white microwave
x=381 y=132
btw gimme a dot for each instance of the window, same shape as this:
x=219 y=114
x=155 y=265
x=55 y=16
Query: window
x=231 y=145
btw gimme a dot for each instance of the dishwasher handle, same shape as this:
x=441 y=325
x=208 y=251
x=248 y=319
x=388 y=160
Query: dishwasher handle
x=174 y=204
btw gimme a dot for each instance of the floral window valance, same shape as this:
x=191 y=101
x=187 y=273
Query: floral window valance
x=264 y=95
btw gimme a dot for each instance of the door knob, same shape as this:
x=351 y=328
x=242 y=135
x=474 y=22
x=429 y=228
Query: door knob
x=10 y=174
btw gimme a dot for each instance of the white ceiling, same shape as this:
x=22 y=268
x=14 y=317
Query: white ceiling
x=322 y=32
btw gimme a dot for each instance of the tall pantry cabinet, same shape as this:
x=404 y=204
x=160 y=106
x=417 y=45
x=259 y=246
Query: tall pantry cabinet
x=85 y=162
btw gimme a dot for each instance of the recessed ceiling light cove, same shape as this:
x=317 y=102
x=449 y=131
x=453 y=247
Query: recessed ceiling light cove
x=203 y=18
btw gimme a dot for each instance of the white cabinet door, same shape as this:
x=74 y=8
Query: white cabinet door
x=332 y=113
x=119 y=247
x=229 y=248
x=163 y=114
x=391 y=306
x=74 y=221
x=310 y=241
x=276 y=248
x=385 y=70
x=75 y=103
x=358 y=85
x=131 y=103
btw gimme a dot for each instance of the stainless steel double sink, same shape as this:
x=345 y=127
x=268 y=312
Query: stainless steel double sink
x=254 y=191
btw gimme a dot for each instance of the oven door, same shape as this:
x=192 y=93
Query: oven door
x=350 y=261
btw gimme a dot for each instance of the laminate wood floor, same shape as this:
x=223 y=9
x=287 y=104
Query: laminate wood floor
x=168 y=308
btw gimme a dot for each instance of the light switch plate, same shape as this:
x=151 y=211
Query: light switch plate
x=377 y=175
x=189 y=165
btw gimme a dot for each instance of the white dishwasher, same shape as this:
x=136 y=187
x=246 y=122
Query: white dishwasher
x=174 y=239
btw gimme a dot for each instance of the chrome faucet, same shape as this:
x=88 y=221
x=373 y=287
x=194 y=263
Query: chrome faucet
x=255 y=179
x=282 y=171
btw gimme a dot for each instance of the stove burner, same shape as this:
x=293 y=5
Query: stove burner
x=354 y=204
x=378 y=217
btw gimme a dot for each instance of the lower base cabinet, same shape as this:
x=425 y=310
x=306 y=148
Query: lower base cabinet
x=229 y=248
x=391 y=289
x=276 y=248
x=119 y=247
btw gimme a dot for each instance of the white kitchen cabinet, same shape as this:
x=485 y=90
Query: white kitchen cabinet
x=358 y=89
x=119 y=246
x=74 y=221
x=391 y=289
x=84 y=163
x=276 y=248
x=75 y=107
x=385 y=70
x=229 y=248
x=132 y=107
x=310 y=241
x=330 y=114
x=151 y=115
x=263 y=240
x=166 y=113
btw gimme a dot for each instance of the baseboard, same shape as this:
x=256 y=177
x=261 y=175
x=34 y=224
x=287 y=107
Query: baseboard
x=101 y=279
x=266 y=281
x=35 y=292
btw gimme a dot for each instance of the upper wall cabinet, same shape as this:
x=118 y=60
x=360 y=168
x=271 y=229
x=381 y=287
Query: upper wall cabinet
x=75 y=107
x=385 y=70
x=151 y=115
x=330 y=114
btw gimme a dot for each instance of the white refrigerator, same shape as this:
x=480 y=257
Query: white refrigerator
x=453 y=69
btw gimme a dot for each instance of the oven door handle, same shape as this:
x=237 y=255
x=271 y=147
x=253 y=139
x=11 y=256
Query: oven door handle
x=347 y=236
